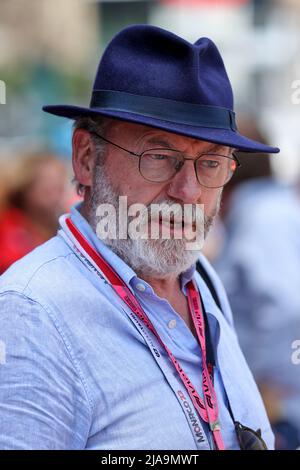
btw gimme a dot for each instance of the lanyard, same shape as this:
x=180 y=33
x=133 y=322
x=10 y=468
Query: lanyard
x=207 y=408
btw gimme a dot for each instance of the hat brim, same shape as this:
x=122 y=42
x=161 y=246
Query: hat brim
x=219 y=136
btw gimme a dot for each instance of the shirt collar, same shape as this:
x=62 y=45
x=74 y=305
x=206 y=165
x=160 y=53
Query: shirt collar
x=187 y=276
x=123 y=270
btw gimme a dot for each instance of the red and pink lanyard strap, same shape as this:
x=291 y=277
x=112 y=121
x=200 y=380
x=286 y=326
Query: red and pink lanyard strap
x=208 y=410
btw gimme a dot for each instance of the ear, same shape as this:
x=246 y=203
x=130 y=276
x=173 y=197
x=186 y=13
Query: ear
x=83 y=156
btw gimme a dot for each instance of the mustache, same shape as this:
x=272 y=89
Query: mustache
x=172 y=212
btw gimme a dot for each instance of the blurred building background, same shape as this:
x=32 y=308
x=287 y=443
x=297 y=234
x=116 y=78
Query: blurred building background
x=49 y=52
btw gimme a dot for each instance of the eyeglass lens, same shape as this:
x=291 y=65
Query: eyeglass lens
x=212 y=170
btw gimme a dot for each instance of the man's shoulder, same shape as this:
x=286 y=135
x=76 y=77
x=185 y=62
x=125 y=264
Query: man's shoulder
x=49 y=263
x=51 y=285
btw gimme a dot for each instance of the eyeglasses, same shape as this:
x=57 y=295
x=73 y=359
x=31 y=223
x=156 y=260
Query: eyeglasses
x=160 y=165
x=249 y=439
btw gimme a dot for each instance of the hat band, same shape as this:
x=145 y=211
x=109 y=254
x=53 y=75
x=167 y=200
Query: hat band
x=167 y=110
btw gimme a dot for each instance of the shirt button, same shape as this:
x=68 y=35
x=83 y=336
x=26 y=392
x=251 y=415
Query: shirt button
x=172 y=324
x=141 y=287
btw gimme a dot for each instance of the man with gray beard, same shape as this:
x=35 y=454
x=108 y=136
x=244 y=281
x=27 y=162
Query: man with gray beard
x=147 y=256
x=112 y=339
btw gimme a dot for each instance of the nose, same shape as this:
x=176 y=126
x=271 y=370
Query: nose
x=185 y=186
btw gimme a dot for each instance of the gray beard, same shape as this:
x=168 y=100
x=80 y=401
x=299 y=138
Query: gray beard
x=157 y=258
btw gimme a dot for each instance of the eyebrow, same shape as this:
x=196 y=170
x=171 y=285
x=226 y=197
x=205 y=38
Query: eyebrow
x=162 y=143
x=221 y=148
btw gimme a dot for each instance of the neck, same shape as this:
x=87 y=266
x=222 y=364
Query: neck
x=85 y=210
x=166 y=287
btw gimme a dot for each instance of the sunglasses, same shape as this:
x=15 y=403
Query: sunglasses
x=249 y=439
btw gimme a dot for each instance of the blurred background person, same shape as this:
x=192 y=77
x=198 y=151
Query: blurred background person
x=34 y=198
x=259 y=264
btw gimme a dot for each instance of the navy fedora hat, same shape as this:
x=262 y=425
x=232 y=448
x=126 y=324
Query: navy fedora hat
x=150 y=76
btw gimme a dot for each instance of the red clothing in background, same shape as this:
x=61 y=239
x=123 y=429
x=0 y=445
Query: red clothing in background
x=18 y=236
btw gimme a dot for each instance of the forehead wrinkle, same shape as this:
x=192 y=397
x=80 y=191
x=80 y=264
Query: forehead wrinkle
x=166 y=140
x=217 y=147
x=164 y=143
x=161 y=142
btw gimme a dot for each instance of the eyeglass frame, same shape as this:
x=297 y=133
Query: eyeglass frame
x=184 y=158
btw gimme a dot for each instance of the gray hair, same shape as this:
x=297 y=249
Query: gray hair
x=97 y=124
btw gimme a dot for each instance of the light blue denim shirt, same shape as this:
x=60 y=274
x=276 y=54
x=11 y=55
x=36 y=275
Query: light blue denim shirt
x=76 y=373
